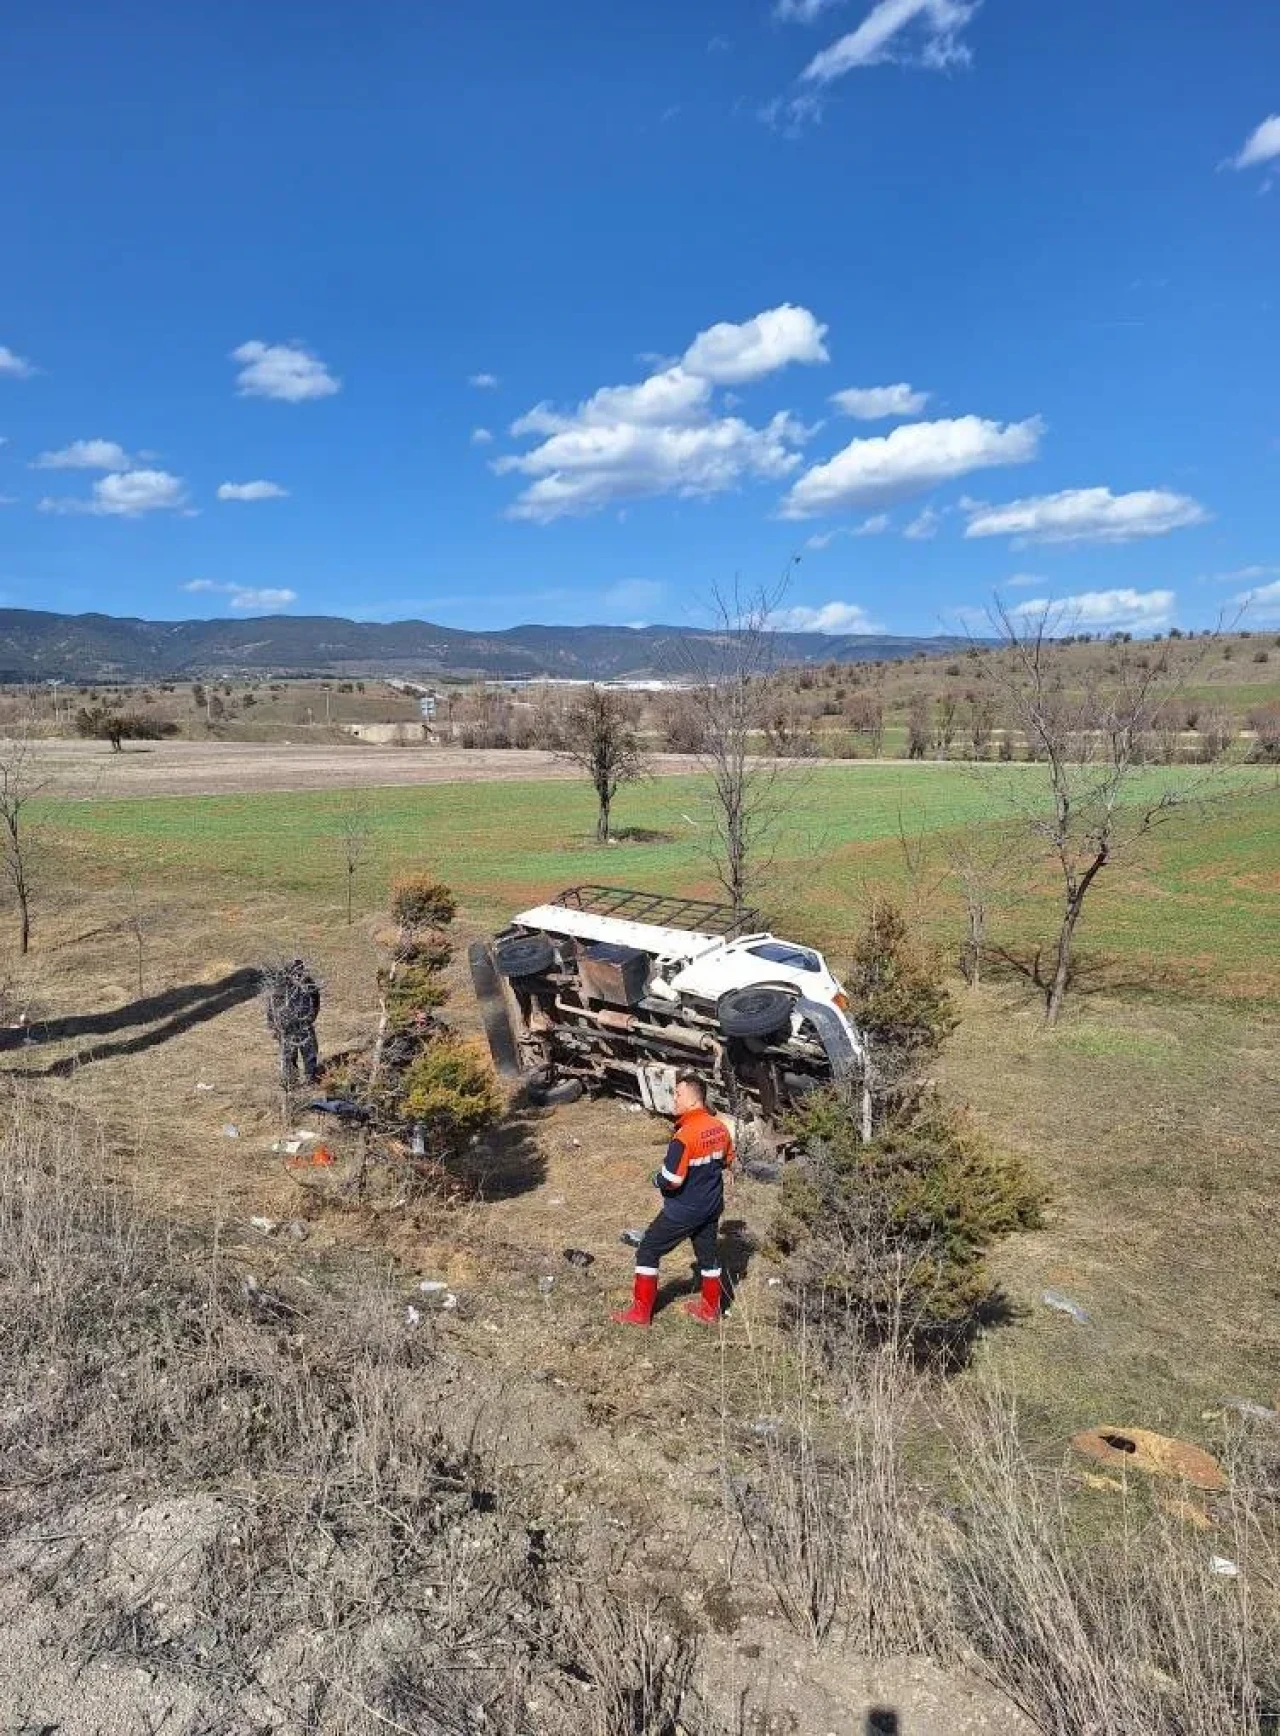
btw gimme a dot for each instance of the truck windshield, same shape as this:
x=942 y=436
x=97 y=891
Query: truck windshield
x=780 y=952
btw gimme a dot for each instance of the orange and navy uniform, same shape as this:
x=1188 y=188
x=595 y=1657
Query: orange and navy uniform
x=691 y=1179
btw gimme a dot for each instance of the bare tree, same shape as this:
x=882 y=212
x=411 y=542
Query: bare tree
x=23 y=781
x=982 y=862
x=1087 y=730
x=736 y=672
x=355 y=832
x=135 y=922
x=919 y=725
x=600 y=739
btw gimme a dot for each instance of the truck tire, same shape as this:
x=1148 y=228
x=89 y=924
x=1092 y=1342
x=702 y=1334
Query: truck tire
x=754 y=1012
x=524 y=955
x=545 y=1092
x=492 y=1001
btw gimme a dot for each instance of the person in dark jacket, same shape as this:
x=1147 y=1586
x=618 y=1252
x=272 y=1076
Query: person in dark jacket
x=691 y=1182
x=293 y=1006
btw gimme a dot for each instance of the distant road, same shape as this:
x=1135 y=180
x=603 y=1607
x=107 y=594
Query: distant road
x=89 y=771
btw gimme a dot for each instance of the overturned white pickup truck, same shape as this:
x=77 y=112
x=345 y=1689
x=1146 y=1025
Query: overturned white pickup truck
x=613 y=991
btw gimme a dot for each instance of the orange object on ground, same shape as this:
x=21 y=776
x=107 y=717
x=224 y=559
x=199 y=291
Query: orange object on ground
x=1155 y=1455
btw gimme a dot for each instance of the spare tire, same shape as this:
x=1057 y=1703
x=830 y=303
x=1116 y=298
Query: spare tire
x=524 y=955
x=755 y=1012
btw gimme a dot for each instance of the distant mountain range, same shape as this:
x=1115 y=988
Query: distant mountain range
x=39 y=646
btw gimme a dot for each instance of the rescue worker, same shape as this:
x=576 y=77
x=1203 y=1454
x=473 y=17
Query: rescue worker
x=293 y=1006
x=691 y=1182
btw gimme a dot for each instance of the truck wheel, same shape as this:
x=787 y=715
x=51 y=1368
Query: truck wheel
x=524 y=955
x=754 y=1012
x=544 y=1092
x=493 y=1010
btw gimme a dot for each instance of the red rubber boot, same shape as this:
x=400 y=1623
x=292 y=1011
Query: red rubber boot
x=707 y=1307
x=644 y=1296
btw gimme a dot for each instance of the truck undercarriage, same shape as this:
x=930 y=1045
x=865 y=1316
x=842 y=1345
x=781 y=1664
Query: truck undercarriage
x=618 y=992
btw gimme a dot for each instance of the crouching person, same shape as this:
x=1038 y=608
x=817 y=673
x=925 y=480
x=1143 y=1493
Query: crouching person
x=691 y=1183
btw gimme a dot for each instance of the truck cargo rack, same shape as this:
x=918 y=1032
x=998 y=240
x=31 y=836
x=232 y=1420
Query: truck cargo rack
x=662 y=911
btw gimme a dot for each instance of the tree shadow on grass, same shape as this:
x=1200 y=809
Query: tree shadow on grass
x=507 y=1163
x=1096 y=973
x=168 y=1015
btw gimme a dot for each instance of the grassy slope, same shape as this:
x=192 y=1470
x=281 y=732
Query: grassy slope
x=1201 y=910
x=1150 y=1113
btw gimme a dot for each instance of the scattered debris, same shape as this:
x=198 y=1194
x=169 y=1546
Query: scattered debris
x=774 y=1283
x=297 y=1230
x=557 y=1201
x=767 y=1427
x=633 y=1108
x=1112 y=1485
x=345 y=1106
x=758 y=1170
x=632 y=1238
x=230 y=1131
x=1156 y=1455
x=579 y=1257
x=546 y=1285
x=201 y=1086
x=433 y=1287
x=320 y=1158
x=448 y=1302
x=1064 y=1305
x=1223 y=1565
x=412 y=1316
x=266 y=1226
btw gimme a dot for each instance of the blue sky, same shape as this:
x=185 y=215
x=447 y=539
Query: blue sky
x=322 y=309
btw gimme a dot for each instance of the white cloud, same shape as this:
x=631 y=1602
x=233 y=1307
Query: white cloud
x=252 y=491
x=1241 y=573
x=1262 y=145
x=481 y=436
x=876 y=525
x=17 y=367
x=803 y=11
x=1092 y=611
x=874 y=41
x=915 y=457
x=925 y=527
x=1262 y=602
x=584 y=468
x=666 y=434
x=1087 y=515
x=828 y=618
x=484 y=382
x=248 y=597
x=128 y=494
x=284 y=371
x=8 y=500
x=85 y=455
x=672 y=397
x=729 y=355
x=880 y=403
x=1022 y=581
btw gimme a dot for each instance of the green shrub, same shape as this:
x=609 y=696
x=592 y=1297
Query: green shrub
x=414 y=989
x=889 y=1239
x=895 y=986
x=451 y=1091
x=421 y=902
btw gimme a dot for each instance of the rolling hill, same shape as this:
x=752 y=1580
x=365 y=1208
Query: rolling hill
x=35 y=645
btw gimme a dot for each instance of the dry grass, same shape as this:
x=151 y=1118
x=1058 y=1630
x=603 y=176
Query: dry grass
x=356 y=1564
x=1090 y=1620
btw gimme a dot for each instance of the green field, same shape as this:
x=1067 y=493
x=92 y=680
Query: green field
x=1197 y=909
